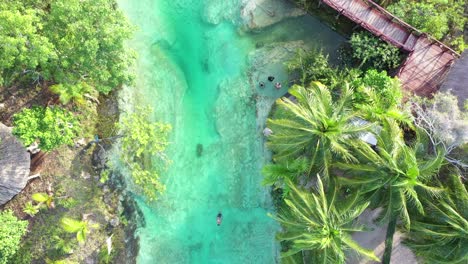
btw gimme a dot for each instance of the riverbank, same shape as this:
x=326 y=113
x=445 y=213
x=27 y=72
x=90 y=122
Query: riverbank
x=73 y=175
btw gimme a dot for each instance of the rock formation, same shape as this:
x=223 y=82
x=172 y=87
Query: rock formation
x=14 y=165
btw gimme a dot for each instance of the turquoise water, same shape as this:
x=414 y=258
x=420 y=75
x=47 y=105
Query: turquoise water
x=196 y=76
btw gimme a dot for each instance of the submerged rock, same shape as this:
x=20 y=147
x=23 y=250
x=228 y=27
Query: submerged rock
x=257 y=14
x=199 y=150
x=216 y=11
x=269 y=61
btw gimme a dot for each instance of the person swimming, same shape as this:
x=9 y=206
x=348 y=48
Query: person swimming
x=219 y=218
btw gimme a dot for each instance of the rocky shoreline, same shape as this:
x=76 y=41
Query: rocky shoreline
x=116 y=186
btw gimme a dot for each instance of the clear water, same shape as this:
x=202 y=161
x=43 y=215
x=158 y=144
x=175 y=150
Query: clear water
x=195 y=75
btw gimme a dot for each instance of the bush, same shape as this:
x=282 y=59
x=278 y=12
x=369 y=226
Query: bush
x=51 y=126
x=371 y=52
x=11 y=231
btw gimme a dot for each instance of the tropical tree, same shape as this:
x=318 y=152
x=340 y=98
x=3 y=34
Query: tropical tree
x=441 y=236
x=22 y=47
x=314 y=222
x=143 y=150
x=394 y=176
x=315 y=126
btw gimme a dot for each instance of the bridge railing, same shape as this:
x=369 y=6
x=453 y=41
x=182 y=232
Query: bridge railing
x=409 y=27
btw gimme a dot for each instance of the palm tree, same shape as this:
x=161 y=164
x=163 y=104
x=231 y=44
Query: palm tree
x=316 y=126
x=441 y=236
x=394 y=175
x=312 y=222
x=275 y=174
x=377 y=107
x=72 y=92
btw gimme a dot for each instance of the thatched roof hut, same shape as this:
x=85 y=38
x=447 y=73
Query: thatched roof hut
x=457 y=79
x=14 y=165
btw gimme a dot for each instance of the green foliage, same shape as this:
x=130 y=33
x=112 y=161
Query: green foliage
x=73 y=93
x=316 y=127
x=23 y=48
x=313 y=65
x=81 y=228
x=313 y=222
x=443 y=19
x=441 y=236
x=78 y=45
x=11 y=231
x=89 y=36
x=372 y=52
x=423 y=16
x=378 y=96
x=43 y=198
x=275 y=174
x=51 y=126
x=397 y=174
x=143 y=146
x=30 y=209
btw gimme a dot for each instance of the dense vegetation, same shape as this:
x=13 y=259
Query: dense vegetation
x=318 y=134
x=73 y=44
x=73 y=50
x=142 y=150
x=443 y=19
x=11 y=231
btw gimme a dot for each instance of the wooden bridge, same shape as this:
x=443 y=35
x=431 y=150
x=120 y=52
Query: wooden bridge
x=428 y=60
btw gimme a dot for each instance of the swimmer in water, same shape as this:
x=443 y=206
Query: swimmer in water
x=219 y=218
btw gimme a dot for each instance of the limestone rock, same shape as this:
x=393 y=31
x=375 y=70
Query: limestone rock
x=258 y=14
x=15 y=162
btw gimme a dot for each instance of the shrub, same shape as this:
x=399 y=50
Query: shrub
x=51 y=126
x=313 y=65
x=11 y=231
x=372 y=52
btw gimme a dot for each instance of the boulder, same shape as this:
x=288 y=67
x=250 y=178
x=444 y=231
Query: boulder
x=15 y=163
x=257 y=14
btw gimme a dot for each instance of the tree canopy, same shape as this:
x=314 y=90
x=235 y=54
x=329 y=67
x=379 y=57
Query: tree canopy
x=313 y=221
x=69 y=43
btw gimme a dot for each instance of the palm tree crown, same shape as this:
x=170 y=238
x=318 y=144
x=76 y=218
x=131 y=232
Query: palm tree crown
x=312 y=222
x=442 y=235
x=315 y=126
x=395 y=173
